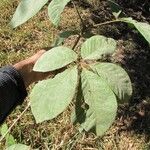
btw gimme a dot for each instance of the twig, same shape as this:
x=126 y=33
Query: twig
x=76 y=42
x=72 y=138
x=82 y=22
x=107 y=22
x=15 y=122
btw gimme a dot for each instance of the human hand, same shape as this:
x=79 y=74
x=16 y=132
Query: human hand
x=25 y=67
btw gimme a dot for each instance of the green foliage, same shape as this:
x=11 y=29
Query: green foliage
x=101 y=101
x=18 y=147
x=9 y=138
x=49 y=98
x=100 y=84
x=55 y=58
x=55 y=9
x=143 y=28
x=97 y=46
x=25 y=10
x=116 y=78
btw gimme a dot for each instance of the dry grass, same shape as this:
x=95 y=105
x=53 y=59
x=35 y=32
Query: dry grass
x=59 y=133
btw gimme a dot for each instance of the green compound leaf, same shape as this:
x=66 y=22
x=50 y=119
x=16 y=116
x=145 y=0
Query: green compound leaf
x=55 y=9
x=49 y=98
x=97 y=46
x=102 y=103
x=117 y=78
x=25 y=10
x=55 y=58
x=18 y=147
x=143 y=28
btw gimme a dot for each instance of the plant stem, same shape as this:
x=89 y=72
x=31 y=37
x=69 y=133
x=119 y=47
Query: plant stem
x=14 y=122
x=107 y=22
x=76 y=42
x=82 y=22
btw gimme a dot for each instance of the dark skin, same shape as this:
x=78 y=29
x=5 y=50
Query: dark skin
x=25 y=68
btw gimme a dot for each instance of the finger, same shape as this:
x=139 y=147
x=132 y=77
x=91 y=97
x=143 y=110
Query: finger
x=35 y=57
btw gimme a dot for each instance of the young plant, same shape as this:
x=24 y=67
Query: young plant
x=100 y=83
x=94 y=85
